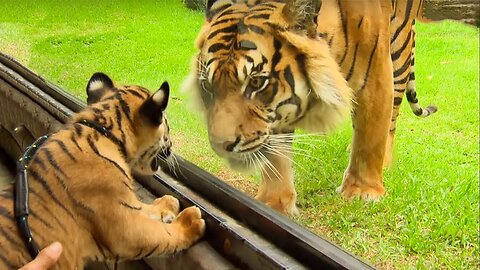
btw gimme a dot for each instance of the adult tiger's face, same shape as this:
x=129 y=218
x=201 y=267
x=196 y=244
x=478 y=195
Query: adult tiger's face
x=251 y=90
x=252 y=80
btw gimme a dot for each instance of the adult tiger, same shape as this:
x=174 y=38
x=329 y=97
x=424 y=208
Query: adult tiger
x=267 y=67
x=81 y=186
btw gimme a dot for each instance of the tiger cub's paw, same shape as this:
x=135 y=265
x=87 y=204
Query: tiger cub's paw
x=168 y=206
x=190 y=224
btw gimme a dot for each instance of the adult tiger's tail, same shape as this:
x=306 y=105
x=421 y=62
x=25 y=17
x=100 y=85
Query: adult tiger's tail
x=411 y=89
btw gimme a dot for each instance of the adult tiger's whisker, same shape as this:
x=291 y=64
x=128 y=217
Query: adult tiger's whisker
x=298 y=138
x=259 y=163
x=288 y=148
x=280 y=154
x=270 y=166
x=295 y=140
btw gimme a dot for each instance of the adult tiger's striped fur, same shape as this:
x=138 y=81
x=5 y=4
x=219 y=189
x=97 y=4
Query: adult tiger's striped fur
x=81 y=185
x=267 y=67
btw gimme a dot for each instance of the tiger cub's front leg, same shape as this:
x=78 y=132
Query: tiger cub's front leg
x=277 y=189
x=133 y=230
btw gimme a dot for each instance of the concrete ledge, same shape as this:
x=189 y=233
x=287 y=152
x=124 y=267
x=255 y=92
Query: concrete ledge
x=200 y=256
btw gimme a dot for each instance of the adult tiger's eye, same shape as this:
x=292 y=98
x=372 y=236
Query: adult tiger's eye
x=257 y=83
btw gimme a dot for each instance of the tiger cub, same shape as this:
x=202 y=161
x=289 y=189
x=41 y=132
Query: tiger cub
x=81 y=189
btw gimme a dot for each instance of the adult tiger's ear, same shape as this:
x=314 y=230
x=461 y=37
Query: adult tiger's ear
x=98 y=85
x=152 y=109
x=213 y=7
x=331 y=97
x=298 y=15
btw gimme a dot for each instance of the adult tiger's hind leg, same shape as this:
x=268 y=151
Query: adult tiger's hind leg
x=399 y=90
x=371 y=121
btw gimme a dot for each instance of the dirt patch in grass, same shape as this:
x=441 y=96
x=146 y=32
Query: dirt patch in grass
x=8 y=43
x=21 y=54
x=238 y=181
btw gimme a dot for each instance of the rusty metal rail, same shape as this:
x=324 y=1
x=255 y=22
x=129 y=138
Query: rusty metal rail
x=244 y=232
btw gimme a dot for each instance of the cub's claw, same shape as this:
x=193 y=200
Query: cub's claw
x=168 y=207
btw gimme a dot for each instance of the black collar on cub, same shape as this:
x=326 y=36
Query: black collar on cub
x=105 y=132
x=98 y=127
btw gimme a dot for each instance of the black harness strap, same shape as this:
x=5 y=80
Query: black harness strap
x=21 y=196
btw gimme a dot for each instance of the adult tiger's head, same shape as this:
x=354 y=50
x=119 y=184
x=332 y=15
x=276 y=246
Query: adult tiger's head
x=133 y=118
x=262 y=70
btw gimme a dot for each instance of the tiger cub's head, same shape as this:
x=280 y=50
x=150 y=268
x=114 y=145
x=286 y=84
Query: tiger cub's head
x=135 y=118
x=261 y=70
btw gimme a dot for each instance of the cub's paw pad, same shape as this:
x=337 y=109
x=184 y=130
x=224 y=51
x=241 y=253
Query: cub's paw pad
x=192 y=223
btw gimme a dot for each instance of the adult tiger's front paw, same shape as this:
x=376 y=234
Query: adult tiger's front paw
x=190 y=224
x=355 y=186
x=168 y=207
x=283 y=202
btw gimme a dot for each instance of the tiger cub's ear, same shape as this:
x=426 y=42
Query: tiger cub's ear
x=97 y=86
x=152 y=109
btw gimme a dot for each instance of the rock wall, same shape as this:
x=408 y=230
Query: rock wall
x=467 y=11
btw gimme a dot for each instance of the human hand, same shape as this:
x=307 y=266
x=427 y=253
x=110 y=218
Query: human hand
x=46 y=258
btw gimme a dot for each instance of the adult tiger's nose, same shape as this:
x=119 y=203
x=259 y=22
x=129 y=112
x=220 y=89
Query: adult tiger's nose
x=229 y=146
x=223 y=146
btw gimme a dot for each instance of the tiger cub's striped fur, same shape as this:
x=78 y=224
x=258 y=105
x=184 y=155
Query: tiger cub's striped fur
x=267 y=67
x=81 y=185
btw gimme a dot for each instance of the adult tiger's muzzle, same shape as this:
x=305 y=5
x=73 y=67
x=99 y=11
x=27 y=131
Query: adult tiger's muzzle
x=235 y=128
x=239 y=145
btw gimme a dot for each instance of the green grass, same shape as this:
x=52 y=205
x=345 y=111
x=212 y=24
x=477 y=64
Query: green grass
x=429 y=220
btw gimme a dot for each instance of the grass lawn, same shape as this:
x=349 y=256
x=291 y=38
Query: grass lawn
x=429 y=220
